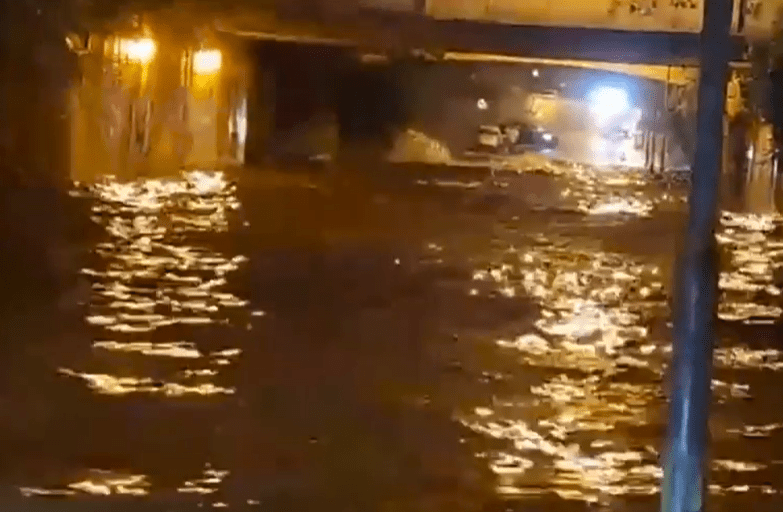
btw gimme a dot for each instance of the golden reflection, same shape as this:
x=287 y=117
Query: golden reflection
x=105 y=483
x=596 y=363
x=593 y=307
x=742 y=489
x=118 y=386
x=180 y=350
x=618 y=205
x=604 y=193
x=32 y=492
x=749 y=292
x=113 y=483
x=736 y=466
x=207 y=483
x=757 y=431
x=96 y=483
x=152 y=277
x=741 y=357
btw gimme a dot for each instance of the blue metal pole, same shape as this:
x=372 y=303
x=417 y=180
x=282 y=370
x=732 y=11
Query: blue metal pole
x=685 y=455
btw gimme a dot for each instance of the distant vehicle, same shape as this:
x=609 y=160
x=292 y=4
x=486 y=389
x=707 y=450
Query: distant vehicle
x=513 y=138
x=525 y=138
x=489 y=137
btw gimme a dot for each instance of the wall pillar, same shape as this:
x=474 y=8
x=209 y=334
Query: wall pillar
x=261 y=103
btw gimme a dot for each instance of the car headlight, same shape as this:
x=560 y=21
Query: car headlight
x=547 y=137
x=607 y=102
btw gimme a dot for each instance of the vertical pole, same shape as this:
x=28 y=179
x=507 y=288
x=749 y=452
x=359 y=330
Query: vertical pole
x=743 y=5
x=664 y=149
x=685 y=464
x=653 y=151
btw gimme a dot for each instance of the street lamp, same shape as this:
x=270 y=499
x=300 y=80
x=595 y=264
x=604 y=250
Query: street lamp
x=140 y=50
x=207 y=62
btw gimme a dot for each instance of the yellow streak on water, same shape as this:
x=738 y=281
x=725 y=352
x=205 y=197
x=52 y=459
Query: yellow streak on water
x=150 y=277
x=567 y=432
x=155 y=272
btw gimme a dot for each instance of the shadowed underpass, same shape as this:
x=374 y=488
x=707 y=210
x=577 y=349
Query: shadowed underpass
x=300 y=324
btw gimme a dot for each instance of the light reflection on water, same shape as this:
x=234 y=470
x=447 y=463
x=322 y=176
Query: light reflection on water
x=591 y=328
x=109 y=483
x=601 y=193
x=99 y=483
x=597 y=364
x=588 y=370
x=748 y=286
x=154 y=274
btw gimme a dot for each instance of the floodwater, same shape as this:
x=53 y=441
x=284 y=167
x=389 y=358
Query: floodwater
x=392 y=341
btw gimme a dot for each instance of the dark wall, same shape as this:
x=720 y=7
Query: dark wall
x=371 y=103
x=36 y=69
x=305 y=78
x=321 y=83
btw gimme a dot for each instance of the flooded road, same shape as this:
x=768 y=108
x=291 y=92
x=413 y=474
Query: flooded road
x=283 y=342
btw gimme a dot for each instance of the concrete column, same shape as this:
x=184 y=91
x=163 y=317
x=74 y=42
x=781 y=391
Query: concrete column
x=237 y=133
x=37 y=68
x=232 y=107
x=663 y=148
x=202 y=124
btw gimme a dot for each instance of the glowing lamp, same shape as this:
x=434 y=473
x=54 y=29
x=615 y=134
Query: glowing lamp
x=137 y=50
x=608 y=102
x=207 y=62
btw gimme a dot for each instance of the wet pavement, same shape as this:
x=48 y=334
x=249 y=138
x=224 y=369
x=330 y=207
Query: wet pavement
x=404 y=341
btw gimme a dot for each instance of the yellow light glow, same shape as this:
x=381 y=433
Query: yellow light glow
x=207 y=62
x=681 y=75
x=138 y=50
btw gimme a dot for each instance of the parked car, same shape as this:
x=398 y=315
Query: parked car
x=490 y=138
x=513 y=138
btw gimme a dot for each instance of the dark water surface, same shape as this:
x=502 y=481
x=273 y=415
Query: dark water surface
x=275 y=342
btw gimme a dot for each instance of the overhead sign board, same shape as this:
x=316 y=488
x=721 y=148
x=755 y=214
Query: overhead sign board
x=754 y=18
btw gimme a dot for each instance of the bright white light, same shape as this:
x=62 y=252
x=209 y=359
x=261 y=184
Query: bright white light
x=547 y=137
x=207 y=62
x=535 y=73
x=607 y=102
x=482 y=104
x=137 y=50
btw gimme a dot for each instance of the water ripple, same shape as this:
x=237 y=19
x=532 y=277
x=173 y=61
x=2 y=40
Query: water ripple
x=596 y=359
x=157 y=279
x=149 y=278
